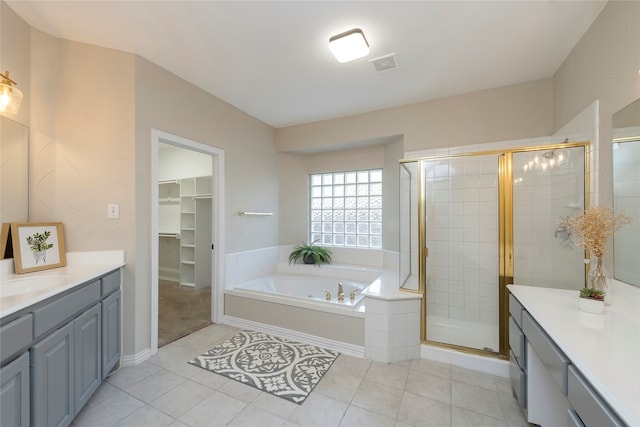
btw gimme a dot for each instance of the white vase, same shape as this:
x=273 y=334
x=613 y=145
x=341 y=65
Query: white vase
x=589 y=305
x=40 y=256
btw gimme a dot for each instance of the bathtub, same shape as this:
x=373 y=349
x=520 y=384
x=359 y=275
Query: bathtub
x=291 y=303
x=306 y=288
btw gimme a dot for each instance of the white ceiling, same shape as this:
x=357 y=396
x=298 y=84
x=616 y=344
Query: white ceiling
x=271 y=60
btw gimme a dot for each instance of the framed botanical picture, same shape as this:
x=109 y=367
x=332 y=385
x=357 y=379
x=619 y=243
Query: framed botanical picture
x=38 y=246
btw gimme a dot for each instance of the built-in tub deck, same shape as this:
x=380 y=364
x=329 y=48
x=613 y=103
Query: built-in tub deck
x=294 y=300
x=324 y=290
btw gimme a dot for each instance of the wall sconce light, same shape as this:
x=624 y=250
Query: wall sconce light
x=349 y=45
x=10 y=96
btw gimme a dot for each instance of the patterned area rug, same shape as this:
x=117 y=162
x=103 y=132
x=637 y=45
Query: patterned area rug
x=286 y=369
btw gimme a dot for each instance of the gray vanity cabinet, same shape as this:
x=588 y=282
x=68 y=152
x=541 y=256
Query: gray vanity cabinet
x=110 y=332
x=67 y=368
x=88 y=355
x=517 y=353
x=14 y=393
x=52 y=378
x=588 y=408
x=55 y=354
x=549 y=387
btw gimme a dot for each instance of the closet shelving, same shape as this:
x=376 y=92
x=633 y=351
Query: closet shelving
x=195 y=232
x=169 y=200
x=169 y=191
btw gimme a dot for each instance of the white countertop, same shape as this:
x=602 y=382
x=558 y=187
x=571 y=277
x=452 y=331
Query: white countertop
x=605 y=348
x=81 y=267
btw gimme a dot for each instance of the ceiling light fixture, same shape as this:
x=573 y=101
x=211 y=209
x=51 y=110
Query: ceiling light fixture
x=10 y=96
x=349 y=45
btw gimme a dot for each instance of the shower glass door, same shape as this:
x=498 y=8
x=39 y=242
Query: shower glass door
x=483 y=221
x=548 y=184
x=462 y=256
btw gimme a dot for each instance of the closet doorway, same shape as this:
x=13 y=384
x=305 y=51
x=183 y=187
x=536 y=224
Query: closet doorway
x=184 y=241
x=184 y=269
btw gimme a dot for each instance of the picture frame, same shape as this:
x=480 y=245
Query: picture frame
x=38 y=246
x=6 y=247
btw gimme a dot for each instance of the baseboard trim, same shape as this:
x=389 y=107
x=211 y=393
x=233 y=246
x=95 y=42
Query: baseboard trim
x=135 y=359
x=348 y=349
x=170 y=274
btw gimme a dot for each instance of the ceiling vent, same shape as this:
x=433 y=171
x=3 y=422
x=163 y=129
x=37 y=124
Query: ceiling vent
x=384 y=63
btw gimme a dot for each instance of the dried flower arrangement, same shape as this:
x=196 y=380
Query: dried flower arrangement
x=593 y=229
x=595 y=226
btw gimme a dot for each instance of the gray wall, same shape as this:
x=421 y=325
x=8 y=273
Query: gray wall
x=604 y=66
x=294 y=170
x=90 y=112
x=168 y=103
x=511 y=112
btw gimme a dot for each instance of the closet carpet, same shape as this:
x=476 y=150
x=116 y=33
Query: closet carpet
x=181 y=310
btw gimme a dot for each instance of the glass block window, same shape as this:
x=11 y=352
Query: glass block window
x=346 y=208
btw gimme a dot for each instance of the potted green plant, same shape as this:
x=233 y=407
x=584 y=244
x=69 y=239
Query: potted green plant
x=591 y=300
x=38 y=245
x=310 y=253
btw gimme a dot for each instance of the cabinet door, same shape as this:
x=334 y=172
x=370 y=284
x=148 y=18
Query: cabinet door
x=14 y=393
x=52 y=382
x=88 y=355
x=110 y=332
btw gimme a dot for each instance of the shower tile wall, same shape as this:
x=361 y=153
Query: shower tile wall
x=462 y=237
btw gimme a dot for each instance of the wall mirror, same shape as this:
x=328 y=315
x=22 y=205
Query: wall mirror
x=14 y=171
x=626 y=192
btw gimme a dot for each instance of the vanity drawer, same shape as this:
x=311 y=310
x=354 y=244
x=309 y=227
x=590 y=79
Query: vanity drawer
x=550 y=355
x=56 y=312
x=517 y=342
x=590 y=407
x=518 y=382
x=110 y=283
x=574 y=420
x=515 y=309
x=16 y=336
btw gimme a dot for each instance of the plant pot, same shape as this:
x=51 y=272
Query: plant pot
x=40 y=256
x=589 y=305
x=309 y=259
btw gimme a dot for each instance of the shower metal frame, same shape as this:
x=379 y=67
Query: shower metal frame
x=505 y=234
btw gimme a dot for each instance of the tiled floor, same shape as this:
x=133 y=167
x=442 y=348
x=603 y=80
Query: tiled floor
x=166 y=391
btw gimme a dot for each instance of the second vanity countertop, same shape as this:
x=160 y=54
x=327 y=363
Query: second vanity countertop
x=605 y=348
x=18 y=291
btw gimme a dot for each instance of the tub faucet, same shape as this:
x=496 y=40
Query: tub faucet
x=340 y=292
x=327 y=294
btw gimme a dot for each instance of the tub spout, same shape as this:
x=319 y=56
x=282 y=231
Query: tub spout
x=327 y=294
x=340 y=292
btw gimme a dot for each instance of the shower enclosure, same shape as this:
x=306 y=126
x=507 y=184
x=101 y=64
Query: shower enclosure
x=473 y=223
